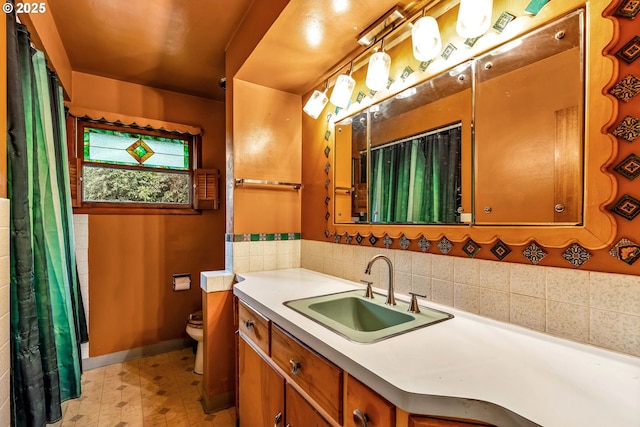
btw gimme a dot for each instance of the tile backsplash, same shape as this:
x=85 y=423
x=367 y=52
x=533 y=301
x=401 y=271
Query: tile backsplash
x=261 y=255
x=602 y=309
x=596 y=308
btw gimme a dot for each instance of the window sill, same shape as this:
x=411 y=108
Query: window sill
x=103 y=210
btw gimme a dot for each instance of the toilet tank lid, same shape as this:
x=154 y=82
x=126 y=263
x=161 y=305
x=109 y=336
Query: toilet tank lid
x=197 y=316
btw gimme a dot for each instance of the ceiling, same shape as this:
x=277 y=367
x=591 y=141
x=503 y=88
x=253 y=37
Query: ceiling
x=310 y=38
x=176 y=45
x=179 y=45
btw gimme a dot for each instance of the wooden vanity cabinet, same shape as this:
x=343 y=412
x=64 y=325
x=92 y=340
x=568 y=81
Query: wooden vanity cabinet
x=318 y=377
x=284 y=383
x=300 y=413
x=424 y=421
x=266 y=399
x=255 y=326
x=378 y=411
x=261 y=391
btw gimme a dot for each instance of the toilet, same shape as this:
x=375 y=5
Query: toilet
x=195 y=331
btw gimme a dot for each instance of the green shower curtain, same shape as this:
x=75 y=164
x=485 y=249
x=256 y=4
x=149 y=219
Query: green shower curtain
x=417 y=181
x=47 y=316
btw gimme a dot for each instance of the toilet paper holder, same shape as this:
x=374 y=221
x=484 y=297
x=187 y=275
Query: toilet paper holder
x=182 y=282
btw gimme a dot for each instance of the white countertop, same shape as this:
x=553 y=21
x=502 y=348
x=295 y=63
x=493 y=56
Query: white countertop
x=468 y=367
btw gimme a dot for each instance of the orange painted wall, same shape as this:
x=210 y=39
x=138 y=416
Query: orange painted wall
x=131 y=262
x=256 y=22
x=266 y=146
x=132 y=257
x=314 y=208
x=44 y=34
x=219 y=343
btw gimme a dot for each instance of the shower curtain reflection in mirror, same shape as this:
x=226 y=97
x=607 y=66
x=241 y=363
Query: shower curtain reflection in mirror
x=417 y=179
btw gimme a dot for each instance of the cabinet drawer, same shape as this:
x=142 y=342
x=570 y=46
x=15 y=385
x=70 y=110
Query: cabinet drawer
x=255 y=326
x=360 y=398
x=321 y=379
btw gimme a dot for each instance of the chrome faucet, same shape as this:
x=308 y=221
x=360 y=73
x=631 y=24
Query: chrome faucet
x=391 y=300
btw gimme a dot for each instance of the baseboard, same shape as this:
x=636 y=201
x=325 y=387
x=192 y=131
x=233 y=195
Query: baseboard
x=136 y=353
x=218 y=402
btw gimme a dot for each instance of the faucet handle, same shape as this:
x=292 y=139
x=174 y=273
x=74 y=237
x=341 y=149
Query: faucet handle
x=369 y=292
x=413 y=306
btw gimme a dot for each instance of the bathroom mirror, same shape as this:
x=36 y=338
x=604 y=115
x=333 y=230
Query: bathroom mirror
x=351 y=189
x=529 y=121
x=404 y=157
x=412 y=159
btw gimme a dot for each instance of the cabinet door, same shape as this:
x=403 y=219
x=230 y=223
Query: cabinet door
x=423 y=421
x=300 y=413
x=361 y=402
x=261 y=394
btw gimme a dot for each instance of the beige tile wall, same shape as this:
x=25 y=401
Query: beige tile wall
x=597 y=308
x=5 y=355
x=247 y=257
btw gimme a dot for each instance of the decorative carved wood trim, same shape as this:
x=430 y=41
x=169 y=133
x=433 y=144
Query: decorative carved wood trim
x=598 y=229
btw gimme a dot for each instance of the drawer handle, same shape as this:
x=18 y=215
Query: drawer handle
x=359 y=418
x=277 y=419
x=295 y=366
x=249 y=324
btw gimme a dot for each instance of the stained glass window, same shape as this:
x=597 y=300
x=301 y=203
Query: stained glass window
x=123 y=148
x=136 y=168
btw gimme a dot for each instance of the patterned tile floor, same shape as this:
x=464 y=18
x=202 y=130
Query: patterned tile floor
x=153 y=391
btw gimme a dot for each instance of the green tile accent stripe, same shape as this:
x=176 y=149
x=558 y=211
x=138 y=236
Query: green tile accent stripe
x=535 y=6
x=261 y=237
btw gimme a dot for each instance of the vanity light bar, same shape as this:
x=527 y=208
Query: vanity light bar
x=388 y=20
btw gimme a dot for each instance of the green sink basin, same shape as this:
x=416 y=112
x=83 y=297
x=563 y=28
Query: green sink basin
x=365 y=320
x=359 y=314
